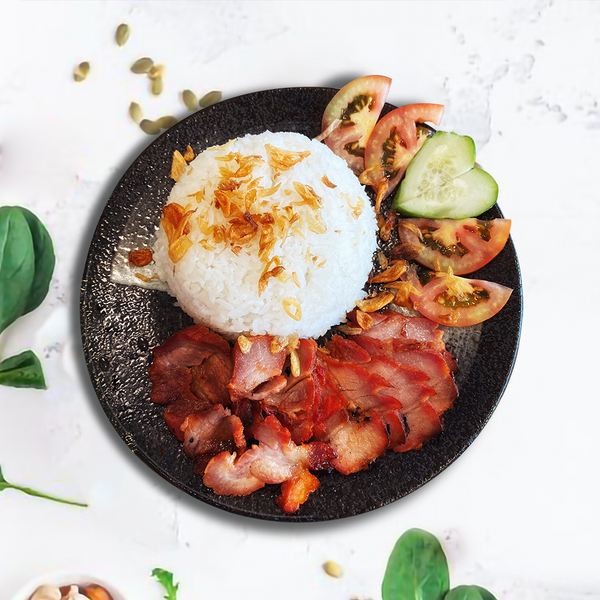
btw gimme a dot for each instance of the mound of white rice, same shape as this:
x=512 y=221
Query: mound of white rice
x=322 y=239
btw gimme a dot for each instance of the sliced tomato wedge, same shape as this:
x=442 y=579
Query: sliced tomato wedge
x=351 y=115
x=463 y=245
x=394 y=141
x=451 y=300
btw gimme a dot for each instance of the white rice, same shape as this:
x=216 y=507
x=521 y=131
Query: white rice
x=221 y=290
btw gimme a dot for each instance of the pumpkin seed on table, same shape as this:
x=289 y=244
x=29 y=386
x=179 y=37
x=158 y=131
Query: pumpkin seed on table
x=190 y=100
x=332 y=568
x=166 y=122
x=122 y=34
x=142 y=65
x=210 y=98
x=81 y=71
x=149 y=127
x=157 y=86
x=136 y=113
x=156 y=71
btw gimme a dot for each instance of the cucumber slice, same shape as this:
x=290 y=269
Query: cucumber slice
x=465 y=196
x=441 y=158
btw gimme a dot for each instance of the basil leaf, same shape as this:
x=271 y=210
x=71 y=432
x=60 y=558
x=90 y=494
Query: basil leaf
x=469 y=592
x=17 y=265
x=22 y=371
x=44 y=258
x=417 y=569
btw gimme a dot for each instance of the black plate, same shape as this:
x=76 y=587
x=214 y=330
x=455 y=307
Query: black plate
x=121 y=324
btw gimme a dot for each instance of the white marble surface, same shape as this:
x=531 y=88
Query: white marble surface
x=518 y=512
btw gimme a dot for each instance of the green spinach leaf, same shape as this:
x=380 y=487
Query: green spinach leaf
x=417 y=569
x=23 y=371
x=5 y=485
x=165 y=578
x=469 y=592
x=17 y=264
x=44 y=258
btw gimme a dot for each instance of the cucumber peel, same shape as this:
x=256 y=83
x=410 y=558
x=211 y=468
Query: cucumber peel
x=441 y=181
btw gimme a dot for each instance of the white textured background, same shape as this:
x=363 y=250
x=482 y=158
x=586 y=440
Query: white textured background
x=518 y=513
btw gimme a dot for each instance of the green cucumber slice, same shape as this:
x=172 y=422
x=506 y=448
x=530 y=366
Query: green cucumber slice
x=442 y=157
x=465 y=196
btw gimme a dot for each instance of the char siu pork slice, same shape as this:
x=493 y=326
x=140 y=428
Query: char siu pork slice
x=421 y=357
x=368 y=391
x=424 y=424
x=208 y=432
x=360 y=386
x=187 y=350
x=177 y=412
x=254 y=366
x=295 y=408
x=295 y=491
x=296 y=404
x=347 y=350
x=357 y=438
x=391 y=324
x=274 y=460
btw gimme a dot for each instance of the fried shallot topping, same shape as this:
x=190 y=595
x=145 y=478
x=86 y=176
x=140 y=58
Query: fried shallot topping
x=244 y=343
x=140 y=258
x=292 y=308
x=373 y=304
x=365 y=320
x=144 y=278
x=328 y=183
x=392 y=273
x=282 y=160
x=175 y=223
x=189 y=154
x=178 y=166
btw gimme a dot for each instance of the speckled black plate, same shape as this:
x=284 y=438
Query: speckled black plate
x=121 y=324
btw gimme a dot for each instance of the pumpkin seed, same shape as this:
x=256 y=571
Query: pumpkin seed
x=332 y=568
x=210 y=98
x=149 y=127
x=190 y=100
x=135 y=112
x=81 y=71
x=156 y=71
x=157 y=86
x=122 y=35
x=142 y=65
x=166 y=122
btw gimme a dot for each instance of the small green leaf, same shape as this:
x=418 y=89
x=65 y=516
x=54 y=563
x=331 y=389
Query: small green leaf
x=44 y=260
x=5 y=485
x=417 y=569
x=22 y=371
x=469 y=592
x=17 y=264
x=165 y=578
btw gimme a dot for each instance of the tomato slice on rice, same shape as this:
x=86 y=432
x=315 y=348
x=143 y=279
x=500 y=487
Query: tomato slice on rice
x=463 y=245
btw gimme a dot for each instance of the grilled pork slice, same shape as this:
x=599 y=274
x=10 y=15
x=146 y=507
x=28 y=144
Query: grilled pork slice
x=422 y=357
x=274 y=460
x=192 y=364
x=208 y=432
x=295 y=406
x=391 y=324
x=357 y=438
x=253 y=365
